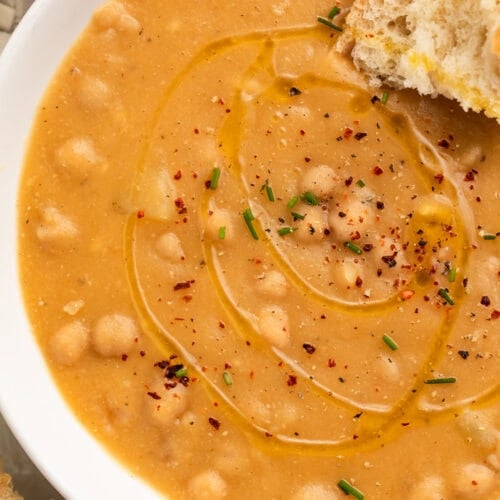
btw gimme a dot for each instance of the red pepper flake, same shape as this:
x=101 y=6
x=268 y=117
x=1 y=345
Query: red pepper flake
x=469 y=176
x=142 y=353
x=196 y=131
x=214 y=423
x=332 y=363
x=307 y=159
x=177 y=175
x=367 y=247
x=405 y=424
x=222 y=324
x=309 y=348
x=302 y=132
x=495 y=314
x=348 y=181
x=187 y=298
x=292 y=380
x=359 y=282
x=380 y=205
x=377 y=170
x=463 y=354
x=348 y=132
x=140 y=214
x=154 y=395
x=360 y=135
x=124 y=357
x=485 y=301
x=390 y=260
x=182 y=285
x=443 y=143
x=162 y=364
x=439 y=178
x=407 y=294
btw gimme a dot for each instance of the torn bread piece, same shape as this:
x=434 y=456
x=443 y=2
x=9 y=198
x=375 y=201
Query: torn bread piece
x=6 y=490
x=450 y=48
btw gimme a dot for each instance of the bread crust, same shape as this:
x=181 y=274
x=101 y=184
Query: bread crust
x=450 y=48
x=6 y=490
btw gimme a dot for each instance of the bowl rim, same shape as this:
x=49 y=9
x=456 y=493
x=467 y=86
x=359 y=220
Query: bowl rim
x=66 y=454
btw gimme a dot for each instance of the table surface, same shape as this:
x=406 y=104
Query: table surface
x=28 y=481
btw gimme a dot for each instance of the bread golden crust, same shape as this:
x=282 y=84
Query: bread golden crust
x=6 y=490
x=450 y=48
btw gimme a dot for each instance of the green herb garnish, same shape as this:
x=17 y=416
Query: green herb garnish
x=297 y=216
x=334 y=12
x=442 y=380
x=269 y=190
x=309 y=198
x=222 y=232
x=489 y=236
x=282 y=231
x=452 y=275
x=328 y=23
x=214 y=181
x=226 y=376
x=353 y=247
x=292 y=202
x=248 y=217
x=361 y=183
x=181 y=372
x=446 y=296
x=390 y=342
x=349 y=489
x=385 y=97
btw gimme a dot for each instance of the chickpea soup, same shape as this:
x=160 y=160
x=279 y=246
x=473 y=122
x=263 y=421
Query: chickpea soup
x=251 y=275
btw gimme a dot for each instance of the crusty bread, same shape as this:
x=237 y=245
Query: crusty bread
x=6 y=491
x=449 y=47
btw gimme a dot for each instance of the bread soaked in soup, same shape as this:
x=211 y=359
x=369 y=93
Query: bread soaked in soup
x=250 y=274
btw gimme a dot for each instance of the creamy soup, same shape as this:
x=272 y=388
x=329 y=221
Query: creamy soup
x=251 y=275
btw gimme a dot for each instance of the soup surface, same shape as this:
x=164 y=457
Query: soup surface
x=252 y=276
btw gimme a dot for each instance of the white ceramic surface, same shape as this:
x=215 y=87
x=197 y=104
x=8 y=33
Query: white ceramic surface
x=61 y=448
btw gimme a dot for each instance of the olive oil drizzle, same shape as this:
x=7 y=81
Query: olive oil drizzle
x=376 y=423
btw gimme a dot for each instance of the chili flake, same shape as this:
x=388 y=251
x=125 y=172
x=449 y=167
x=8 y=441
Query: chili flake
x=309 y=348
x=214 y=423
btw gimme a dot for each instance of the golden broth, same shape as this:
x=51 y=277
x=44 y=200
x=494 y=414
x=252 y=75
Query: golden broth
x=252 y=276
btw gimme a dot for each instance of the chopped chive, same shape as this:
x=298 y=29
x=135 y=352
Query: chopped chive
x=489 y=236
x=385 y=97
x=214 y=181
x=181 y=372
x=334 y=12
x=353 y=247
x=309 y=198
x=442 y=380
x=297 y=216
x=285 y=230
x=452 y=275
x=328 y=23
x=361 y=183
x=446 y=296
x=248 y=216
x=390 y=342
x=349 y=489
x=292 y=202
x=222 y=232
x=226 y=376
x=269 y=192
